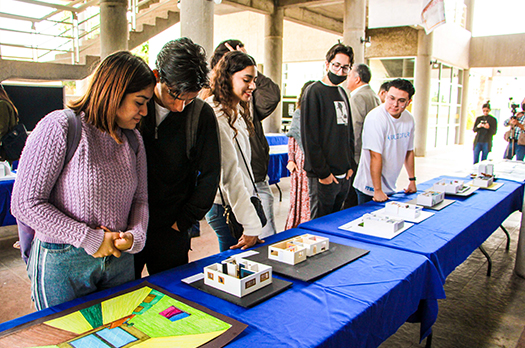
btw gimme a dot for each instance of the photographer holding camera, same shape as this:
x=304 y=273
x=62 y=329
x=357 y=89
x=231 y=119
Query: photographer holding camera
x=517 y=130
x=485 y=127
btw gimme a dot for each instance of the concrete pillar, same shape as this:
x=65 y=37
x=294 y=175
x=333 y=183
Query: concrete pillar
x=464 y=106
x=273 y=62
x=354 y=27
x=196 y=22
x=113 y=27
x=421 y=100
x=466 y=78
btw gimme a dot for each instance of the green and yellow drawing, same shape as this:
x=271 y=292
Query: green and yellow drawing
x=141 y=318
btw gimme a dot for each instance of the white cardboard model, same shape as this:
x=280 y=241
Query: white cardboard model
x=238 y=276
x=448 y=186
x=430 y=198
x=382 y=222
x=403 y=210
x=486 y=169
x=483 y=181
x=295 y=250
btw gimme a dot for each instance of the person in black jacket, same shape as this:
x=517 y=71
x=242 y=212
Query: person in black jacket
x=183 y=174
x=327 y=135
x=266 y=97
x=485 y=128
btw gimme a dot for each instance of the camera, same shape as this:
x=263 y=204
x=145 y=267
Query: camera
x=513 y=106
x=483 y=122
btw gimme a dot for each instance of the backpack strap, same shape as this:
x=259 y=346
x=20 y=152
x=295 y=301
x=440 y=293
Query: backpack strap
x=192 y=124
x=132 y=139
x=74 y=132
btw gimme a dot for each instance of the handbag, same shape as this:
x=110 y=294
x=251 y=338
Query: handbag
x=509 y=135
x=521 y=138
x=256 y=201
x=13 y=142
x=235 y=227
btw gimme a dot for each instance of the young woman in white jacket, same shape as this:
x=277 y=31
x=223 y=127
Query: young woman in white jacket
x=232 y=86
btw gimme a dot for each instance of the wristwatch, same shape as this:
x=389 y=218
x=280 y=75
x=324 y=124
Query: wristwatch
x=412 y=179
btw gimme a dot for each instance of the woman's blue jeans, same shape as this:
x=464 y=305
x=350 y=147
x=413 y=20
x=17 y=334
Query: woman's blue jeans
x=484 y=149
x=217 y=221
x=61 y=273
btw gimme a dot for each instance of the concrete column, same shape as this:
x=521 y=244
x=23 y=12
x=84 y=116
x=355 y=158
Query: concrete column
x=354 y=27
x=421 y=100
x=464 y=106
x=113 y=27
x=273 y=62
x=196 y=22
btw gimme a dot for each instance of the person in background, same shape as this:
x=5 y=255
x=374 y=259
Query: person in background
x=517 y=126
x=327 y=135
x=299 y=201
x=382 y=91
x=265 y=99
x=232 y=86
x=362 y=101
x=388 y=143
x=89 y=216
x=8 y=113
x=485 y=128
x=181 y=187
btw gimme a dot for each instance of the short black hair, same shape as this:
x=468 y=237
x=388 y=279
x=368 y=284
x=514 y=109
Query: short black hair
x=221 y=50
x=384 y=86
x=364 y=72
x=403 y=85
x=340 y=48
x=182 y=66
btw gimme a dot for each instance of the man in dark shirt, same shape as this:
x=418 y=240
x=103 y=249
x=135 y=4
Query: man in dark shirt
x=327 y=135
x=485 y=128
x=183 y=174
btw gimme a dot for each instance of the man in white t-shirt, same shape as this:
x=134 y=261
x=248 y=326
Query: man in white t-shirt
x=388 y=143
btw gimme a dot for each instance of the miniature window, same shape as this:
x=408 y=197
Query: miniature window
x=173 y=313
x=250 y=283
x=210 y=275
x=221 y=279
x=149 y=298
x=265 y=276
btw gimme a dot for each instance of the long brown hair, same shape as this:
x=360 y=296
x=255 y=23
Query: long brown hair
x=222 y=88
x=4 y=96
x=119 y=74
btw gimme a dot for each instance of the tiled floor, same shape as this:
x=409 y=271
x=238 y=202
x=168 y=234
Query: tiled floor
x=479 y=311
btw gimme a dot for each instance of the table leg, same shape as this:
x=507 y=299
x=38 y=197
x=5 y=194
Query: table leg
x=489 y=266
x=280 y=192
x=508 y=237
x=519 y=267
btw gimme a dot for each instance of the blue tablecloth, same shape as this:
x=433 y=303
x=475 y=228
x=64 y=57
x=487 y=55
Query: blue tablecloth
x=6 y=188
x=448 y=237
x=276 y=139
x=358 y=305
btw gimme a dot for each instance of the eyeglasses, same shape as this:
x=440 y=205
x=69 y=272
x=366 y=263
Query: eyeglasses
x=337 y=67
x=176 y=96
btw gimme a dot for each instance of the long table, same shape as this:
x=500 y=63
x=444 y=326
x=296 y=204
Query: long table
x=448 y=237
x=278 y=157
x=6 y=189
x=359 y=305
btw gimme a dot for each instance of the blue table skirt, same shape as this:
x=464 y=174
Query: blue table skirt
x=448 y=237
x=6 y=189
x=358 y=305
x=277 y=167
x=276 y=139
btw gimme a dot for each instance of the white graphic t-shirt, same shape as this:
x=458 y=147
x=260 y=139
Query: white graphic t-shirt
x=391 y=138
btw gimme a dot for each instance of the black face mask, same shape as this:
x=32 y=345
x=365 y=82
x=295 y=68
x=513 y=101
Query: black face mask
x=336 y=79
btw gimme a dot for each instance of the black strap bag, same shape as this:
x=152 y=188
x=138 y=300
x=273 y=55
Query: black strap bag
x=13 y=142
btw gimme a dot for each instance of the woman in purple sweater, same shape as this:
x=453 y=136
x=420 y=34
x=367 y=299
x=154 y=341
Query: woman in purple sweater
x=89 y=215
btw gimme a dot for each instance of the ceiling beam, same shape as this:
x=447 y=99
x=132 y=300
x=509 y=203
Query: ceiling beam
x=314 y=20
x=307 y=3
x=260 y=6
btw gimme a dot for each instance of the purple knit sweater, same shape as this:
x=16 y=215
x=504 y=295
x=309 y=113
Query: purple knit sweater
x=104 y=184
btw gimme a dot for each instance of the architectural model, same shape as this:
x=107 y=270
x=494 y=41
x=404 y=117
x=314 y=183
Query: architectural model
x=5 y=169
x=430 y=198
x=295 y=250
x=238 y=276
x=382 y=222
x=485 y=176
x=486 y=169
x=403 y=210
x=449 y=186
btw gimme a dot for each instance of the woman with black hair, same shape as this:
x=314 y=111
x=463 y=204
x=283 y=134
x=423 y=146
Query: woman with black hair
x=485 y=128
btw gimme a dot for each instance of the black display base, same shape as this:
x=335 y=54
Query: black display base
x=314 y=267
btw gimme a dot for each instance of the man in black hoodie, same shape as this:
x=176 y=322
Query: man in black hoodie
x=182 y=148
x=327 y=135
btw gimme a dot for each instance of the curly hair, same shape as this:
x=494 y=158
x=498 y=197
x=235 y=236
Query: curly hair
x=222 y=88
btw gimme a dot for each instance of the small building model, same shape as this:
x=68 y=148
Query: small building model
x=483 y=180
x=238 y=276
x=486 y=169
x=448 y=186
x=403 y=210
x=381 y=222
x=295 y=250
x=430 y=198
